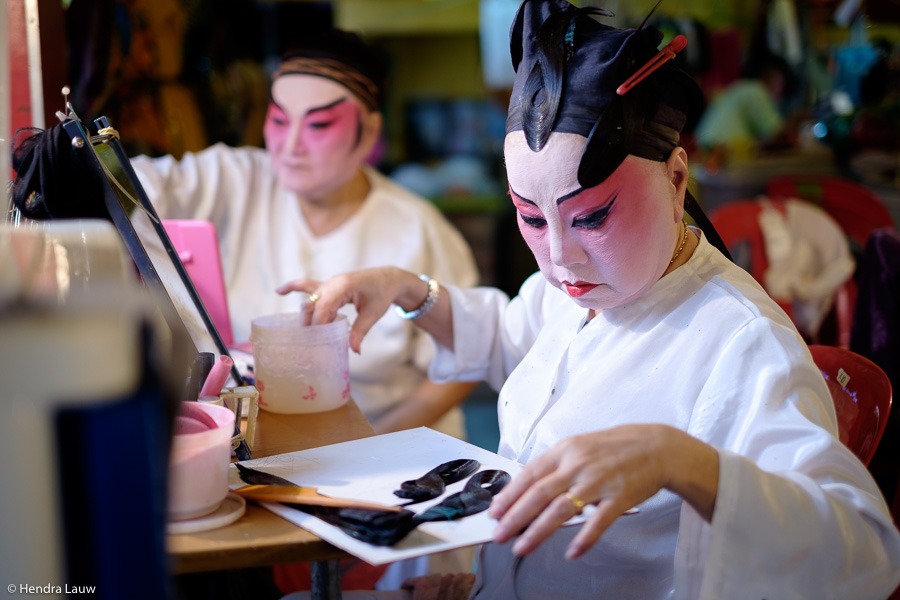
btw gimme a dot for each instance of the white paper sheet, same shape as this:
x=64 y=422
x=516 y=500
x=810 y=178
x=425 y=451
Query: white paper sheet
x=371 y=469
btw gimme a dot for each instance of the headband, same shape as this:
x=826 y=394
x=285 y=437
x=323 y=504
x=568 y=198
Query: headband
x=361 y=86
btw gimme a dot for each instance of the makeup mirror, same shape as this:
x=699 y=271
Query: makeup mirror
x=151 y=249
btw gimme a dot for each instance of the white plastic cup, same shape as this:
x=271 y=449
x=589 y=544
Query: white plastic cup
x=300 y=368
x=198 y=466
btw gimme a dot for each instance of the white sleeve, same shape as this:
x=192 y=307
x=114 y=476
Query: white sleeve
x=193 y=187
x=491 y=333
x=449 y=260
x=797 y=515
x=451 y=257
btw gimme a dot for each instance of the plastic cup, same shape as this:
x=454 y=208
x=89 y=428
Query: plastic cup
x=300 y=368
x=198 y=464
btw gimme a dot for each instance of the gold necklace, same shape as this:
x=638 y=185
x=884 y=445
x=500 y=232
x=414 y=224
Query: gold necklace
x=681 y=247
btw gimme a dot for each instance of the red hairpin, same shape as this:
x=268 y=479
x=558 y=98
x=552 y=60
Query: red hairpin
x=667 y=53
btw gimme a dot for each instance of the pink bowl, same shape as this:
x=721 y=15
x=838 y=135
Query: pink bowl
x=198 y=464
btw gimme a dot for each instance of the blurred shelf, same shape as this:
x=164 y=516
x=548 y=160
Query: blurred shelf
x=492 y=204
x=747 y=179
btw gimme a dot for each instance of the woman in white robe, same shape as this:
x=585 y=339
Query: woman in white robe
x=640 y=368
x=308 y=205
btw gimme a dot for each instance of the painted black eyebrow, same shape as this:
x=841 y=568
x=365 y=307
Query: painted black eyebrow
x=571 y=194
x=606 y=209
x=318 y=108
x=558 y=200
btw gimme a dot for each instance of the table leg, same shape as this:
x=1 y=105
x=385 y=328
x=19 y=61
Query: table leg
x=325 y=581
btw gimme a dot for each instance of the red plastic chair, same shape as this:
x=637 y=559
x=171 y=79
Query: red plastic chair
x=862 y=395
x=855 y=208
x=737 y=223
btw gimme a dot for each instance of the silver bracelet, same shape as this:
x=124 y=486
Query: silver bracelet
x=434 y=288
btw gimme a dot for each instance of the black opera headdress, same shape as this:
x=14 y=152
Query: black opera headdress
x=569 y=67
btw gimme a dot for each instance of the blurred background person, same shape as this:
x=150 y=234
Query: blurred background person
x=746 y=116
x=309 y=206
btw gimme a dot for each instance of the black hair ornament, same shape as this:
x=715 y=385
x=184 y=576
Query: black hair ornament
x=54 y=178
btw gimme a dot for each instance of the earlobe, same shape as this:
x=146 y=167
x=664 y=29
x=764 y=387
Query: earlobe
x=677 y=167
x=371 y=131
x=677 y=170
x=368 y=129
x=374 y=123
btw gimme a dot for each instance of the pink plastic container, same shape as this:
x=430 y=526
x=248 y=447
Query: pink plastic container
x=198 y=464
x=300 y=368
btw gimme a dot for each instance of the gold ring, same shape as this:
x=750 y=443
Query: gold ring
x=313 y=297
x=578 y=502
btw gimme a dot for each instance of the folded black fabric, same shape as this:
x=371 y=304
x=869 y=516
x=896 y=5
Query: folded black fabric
x=376 y=527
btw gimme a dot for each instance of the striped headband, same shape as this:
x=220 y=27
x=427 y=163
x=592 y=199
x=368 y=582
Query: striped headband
x=361 y=86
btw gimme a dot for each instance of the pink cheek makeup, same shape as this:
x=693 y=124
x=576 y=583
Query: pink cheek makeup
x=536 y=240
x=602 y=241
x=276 y=127
x=534 y=236
x=332 y=129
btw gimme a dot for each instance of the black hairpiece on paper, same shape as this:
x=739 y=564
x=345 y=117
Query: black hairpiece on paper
x=386 y=528
x=432 y=484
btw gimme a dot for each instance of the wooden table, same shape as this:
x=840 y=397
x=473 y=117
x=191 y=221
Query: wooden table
x=260 y=537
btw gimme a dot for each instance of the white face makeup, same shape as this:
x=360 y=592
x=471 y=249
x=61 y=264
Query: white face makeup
x=605 y=245
x=318 y=134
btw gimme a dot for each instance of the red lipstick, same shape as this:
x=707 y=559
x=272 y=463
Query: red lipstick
x=579 y=288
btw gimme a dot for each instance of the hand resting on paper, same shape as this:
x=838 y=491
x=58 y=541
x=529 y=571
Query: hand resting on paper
x=614 y=469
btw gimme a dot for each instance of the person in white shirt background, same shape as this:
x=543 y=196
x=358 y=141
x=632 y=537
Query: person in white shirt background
x=308 y=205
x=640 y=367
